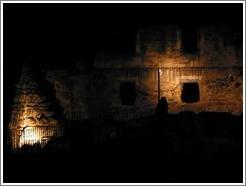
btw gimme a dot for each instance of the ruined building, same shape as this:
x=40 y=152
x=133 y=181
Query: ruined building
x=195 y=69
x=32 y=119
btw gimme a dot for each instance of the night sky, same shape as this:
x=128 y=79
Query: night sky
x=62 y=33
x=57 y=35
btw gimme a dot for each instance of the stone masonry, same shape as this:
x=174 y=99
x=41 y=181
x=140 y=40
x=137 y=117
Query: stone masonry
x=216 y=68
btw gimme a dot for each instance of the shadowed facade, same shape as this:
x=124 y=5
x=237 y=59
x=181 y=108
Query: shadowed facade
x=199 y=69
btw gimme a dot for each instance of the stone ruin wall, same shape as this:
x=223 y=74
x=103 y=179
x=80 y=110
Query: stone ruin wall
x=217 y=68
x=84 y=97
x=220 y=89
x=98 y=95
x=162 y=47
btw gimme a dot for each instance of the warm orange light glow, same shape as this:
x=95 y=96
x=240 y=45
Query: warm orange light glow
x=29 y=136
x=32 y=119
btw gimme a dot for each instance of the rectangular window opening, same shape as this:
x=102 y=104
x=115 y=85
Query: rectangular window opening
x=190 y=92
x=189 y=40
x=127 y=93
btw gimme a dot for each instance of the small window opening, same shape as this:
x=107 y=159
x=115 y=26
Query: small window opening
x=190 y=93
x=189 y=40
x=128 y=93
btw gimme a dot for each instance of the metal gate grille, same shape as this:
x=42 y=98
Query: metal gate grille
x=34 y=135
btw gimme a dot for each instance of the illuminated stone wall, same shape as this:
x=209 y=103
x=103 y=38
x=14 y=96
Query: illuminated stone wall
x=98 y=95
x=99 y=98
x=220 y=89
x=32 y=119
x=162 y=47
x=216 y=67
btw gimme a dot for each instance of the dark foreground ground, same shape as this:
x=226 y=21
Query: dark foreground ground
x=205 y=147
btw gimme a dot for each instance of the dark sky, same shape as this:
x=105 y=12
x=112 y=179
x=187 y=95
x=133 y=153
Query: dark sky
x=56 y=35
x=62 y=33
